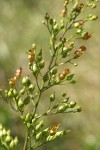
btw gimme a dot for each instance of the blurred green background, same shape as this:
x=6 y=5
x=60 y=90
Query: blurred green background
x=20 y=26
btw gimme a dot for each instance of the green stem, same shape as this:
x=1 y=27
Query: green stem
x=26 y=141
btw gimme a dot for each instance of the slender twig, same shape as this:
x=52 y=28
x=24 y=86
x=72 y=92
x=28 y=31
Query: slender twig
x=26 y=140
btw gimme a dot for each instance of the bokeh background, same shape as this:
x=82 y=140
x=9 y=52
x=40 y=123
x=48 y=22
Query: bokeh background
x=20 y=26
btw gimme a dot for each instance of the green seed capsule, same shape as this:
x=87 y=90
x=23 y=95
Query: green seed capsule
x=72 y=104
x=52 y=97
x=45 y=77
x=39 y=126
x=62 y=108
x=63 y=94
x=53 y=71
x=31 y=88
x=28 y=117
x=34 y=120
x=39 y=56
x=10 y=94
x=22 y=91
x=35 y=69
x=12 y=144
x=8 y=138
x=79 y=109
x=33 y=46
x=15 y=140
x=27 y=100
x=38 y=136
x=64 y=52
x=42 y=64
x=26 y=81
x=45 y=132
x=20 y=103
x=15 y=92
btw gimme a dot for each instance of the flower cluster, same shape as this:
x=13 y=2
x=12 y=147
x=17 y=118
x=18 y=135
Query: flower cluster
x=63 y=51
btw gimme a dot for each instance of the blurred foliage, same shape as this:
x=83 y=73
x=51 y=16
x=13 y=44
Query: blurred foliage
x=20 y=26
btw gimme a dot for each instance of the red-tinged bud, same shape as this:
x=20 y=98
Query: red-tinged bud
x=77 y=54
x=79 y=23
x=18 y=73
x=31 y=56
x=63 y=12
x=61 y=76
x=12 y=82
x=79 y=8
x=54 y=129
x=82 y=49
x=66 y=71
x=86 y=36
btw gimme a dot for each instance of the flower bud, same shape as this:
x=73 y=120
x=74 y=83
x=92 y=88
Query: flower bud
x=12 y=144
x=15 y=92
x=51 y=21
x=79 y=7
x=52 y=97
x=12 y=82
x=47 y=17
x=72 y=104
x=79 y=109
x=79 y=31
x=63 y=12
x=56 y=27
x=15 y=140
x=33 y=46
x=10 y=94
x=45 y=77
x=54 y=129
x=26 y=81
x=27 y=100
x=82 y=48
x=39 y=126
x=66 y=71
x=22 y=91
x=92 y=17
x=62 y=26
x=62 y=108
x=79 y=52
x=79 y=23
x=28 y=117
x=66 y=3
x=64 y=94
x=53 y=71
x=31 y=56
x=39 y=56
x=45 y=132
x=61 y=76
x=35 y=69
x=34 y=120
x=41 y=64
x=64 y=52
x=86 y=35
x=31 y=88
x=60 y=133
x=6 y=93
x=8 y=139
x=20 y=103
x=18 y=73
x=65 y=100
x=38 y=136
